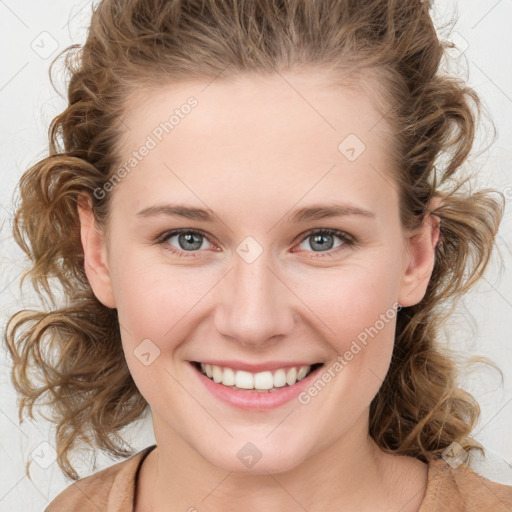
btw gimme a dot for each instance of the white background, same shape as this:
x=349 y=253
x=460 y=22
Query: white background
x=481 y=324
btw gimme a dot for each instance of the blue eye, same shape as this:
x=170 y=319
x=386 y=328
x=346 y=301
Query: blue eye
x=190 y=241
x=322 y=240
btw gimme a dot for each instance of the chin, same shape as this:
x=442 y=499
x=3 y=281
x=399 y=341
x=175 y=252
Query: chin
x=254 y=457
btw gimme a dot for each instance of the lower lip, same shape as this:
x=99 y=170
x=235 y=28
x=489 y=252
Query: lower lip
x=253 y=400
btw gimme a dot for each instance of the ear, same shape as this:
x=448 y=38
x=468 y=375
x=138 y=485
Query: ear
x=95 y=253
x=421 y=253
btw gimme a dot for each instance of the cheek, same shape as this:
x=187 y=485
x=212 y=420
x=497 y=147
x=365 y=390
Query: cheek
x=352 y=297
x=156 y=311
x=152 y=297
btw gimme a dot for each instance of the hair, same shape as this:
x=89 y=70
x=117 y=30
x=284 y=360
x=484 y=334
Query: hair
x=133 y=46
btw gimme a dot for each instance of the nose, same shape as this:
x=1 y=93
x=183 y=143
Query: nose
x=256 y=307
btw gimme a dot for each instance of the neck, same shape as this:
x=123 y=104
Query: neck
x=353 y=473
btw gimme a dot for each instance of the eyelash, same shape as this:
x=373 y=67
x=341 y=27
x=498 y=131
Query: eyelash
x=348 y=240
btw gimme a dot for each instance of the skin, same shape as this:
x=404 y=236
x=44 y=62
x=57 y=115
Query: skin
x=253 y=151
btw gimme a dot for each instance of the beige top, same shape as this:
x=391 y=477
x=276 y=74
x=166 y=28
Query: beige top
x=448 y=490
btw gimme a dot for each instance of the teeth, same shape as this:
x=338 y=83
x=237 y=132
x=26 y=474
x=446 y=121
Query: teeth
x=302 y=372
x=279 y=379
x=243 y=380
x=228 y=377
x=291 y=376
x=217 y=374
x=262 y=382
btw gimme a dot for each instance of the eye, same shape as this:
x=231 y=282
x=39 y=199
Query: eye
x=187 y=240
x=322 y=240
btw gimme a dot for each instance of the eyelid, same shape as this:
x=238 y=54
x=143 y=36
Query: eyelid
x=160 y=239
x=343 y=235
x=347 y=239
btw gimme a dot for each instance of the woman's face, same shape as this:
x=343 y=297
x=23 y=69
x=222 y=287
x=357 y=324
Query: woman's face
x=253 y=168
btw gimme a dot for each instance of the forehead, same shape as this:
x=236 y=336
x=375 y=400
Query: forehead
x=278 y=131
x=261 y=103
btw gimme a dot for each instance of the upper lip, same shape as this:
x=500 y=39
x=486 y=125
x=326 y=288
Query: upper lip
x=260 y=367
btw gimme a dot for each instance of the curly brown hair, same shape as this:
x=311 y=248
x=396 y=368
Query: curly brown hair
x=136 y=45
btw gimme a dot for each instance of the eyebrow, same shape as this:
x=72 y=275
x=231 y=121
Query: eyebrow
x=310 y=213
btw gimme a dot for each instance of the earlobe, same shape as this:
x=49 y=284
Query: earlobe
x=421 y=250
x=95 y=254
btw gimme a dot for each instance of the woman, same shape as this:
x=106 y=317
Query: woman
x=254 y=241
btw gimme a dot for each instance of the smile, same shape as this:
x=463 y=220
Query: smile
x=266 y=387
x=265 y=381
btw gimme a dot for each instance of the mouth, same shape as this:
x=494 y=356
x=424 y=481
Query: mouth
x=266 y=381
